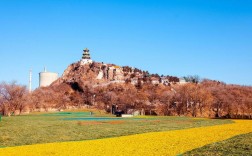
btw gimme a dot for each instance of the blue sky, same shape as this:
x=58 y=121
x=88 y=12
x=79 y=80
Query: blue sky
x=209 y=38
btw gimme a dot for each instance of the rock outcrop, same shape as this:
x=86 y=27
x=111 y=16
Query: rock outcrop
x=100 y=74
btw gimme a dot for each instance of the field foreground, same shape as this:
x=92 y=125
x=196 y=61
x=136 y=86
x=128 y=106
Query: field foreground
x=156 y=143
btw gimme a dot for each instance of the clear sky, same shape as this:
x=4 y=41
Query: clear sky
x=209 y=38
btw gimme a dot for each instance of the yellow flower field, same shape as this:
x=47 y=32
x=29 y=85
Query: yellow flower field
x=157 y=143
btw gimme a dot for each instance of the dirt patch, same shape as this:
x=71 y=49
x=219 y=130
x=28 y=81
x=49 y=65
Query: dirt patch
x=83 y=123
x=151 y=121
x=115 y=122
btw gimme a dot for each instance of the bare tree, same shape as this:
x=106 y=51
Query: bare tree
x=192 y=78
x=12 y=98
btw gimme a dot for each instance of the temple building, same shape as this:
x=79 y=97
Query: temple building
x=86 y=59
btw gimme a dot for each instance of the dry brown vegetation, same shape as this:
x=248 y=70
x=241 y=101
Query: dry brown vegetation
x=12 y=98
x=78 y=88
x=205 y=99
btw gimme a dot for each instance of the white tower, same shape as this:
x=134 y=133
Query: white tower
x=30 y=81
x=47 y=78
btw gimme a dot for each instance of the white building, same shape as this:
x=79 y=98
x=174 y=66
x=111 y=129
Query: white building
x=47 y=78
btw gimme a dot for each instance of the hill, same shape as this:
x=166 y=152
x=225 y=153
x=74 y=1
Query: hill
x=100 y=74
x=118 y=90
x=130 y=90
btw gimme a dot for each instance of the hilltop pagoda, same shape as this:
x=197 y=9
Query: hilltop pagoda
x=86 y=59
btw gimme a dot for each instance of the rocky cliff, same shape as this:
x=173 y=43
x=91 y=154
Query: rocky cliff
x=101 y=74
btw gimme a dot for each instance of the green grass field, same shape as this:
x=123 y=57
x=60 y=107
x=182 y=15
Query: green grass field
x=240 y=145
x=60 y=127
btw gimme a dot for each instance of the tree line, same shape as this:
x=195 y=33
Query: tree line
x=208 y=98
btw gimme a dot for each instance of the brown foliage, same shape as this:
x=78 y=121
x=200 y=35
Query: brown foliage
x=12 y=98
x=205 y=99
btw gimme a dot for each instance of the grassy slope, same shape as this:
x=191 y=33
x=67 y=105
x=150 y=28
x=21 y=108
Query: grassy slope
x=238 y=145
x=34 y=129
